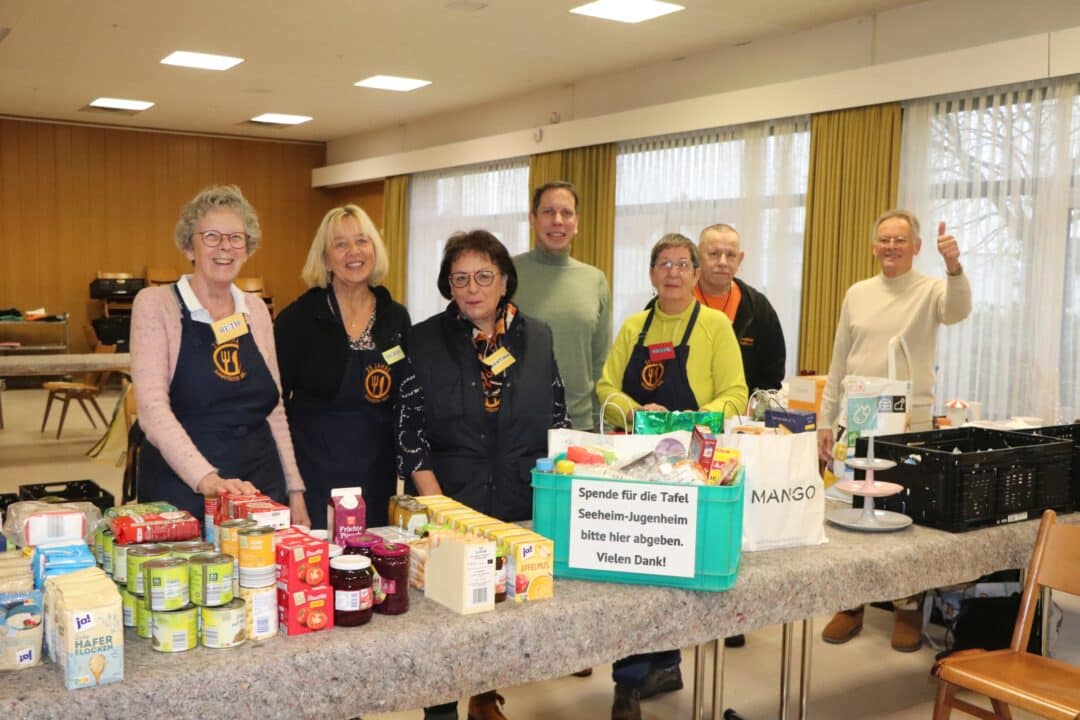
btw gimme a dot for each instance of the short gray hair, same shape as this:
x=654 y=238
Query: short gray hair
x=218 y=197
x=907 y=215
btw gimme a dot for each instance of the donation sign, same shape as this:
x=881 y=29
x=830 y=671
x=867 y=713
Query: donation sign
x=633 y=527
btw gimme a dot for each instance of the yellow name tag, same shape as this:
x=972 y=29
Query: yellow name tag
x=499 y=360
x=229 y=328
x=393 y=355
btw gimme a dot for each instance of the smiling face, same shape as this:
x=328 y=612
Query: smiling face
x=477 y=303
x=220 y=265
x=720 y=260
x=555 y=222
x=350 y=255
x=674 y=285
x=895 y=246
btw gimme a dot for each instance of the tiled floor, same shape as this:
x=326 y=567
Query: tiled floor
x=862 y=679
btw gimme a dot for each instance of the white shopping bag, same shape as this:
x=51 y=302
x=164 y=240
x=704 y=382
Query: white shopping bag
x=876 y=404
x=784 y=500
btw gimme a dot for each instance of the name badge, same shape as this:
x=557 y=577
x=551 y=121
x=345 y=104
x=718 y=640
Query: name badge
x=393 y=355
x=229 y=328
x=499 y=360
x=661 y=351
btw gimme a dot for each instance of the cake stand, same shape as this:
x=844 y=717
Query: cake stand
x=866 y=518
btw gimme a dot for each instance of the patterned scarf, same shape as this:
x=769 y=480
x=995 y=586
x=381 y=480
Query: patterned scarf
x=487 y=344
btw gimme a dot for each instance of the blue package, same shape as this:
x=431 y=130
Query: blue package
x=794 y=421
x=50 y=560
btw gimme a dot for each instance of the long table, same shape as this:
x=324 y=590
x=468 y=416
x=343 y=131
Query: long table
x=432 y=655
x=63 y=363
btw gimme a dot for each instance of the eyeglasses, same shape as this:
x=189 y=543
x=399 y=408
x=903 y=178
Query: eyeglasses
x=213 y=238
x=483 y=278
x=682 y=266
x=897 y=240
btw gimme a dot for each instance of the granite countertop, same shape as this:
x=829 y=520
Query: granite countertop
x=432 y=655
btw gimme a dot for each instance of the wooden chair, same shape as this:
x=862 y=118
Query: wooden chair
x=80 y=390
x=255 y=285
x=3 y=386
x=1042 y=686
x=161 y=276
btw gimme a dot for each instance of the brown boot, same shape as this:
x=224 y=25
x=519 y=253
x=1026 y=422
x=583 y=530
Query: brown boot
x=845 y=625
x=485 y=706
x=907 y=630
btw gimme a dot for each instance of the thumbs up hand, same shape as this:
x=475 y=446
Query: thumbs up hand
x=949 y=249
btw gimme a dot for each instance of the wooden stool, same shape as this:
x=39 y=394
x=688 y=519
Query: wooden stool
x=3 y=386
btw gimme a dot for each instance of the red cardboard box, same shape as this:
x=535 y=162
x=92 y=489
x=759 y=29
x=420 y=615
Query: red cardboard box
x=702 y=446
x=306 y=611
x=227 y=507
x=268 y=513
x=302 y=562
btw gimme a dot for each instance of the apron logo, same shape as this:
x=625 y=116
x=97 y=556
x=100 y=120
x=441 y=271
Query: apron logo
x=377 y=383
x=746 y=341
x=652 y=375
x=227 y=362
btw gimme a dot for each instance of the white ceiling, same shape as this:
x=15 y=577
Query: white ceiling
x=303 y=56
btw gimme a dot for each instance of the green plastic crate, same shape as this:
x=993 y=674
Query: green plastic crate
x=719 y=532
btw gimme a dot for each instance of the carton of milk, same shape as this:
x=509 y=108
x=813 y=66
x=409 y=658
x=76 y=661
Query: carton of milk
x=346 y=514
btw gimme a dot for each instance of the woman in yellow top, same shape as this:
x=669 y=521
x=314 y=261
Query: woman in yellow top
x=677 y=355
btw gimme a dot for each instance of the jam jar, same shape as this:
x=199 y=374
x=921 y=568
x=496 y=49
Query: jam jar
x=391 y=561
x=361 y=544
x=351 y=577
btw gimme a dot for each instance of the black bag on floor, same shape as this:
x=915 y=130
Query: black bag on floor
x=987 y=623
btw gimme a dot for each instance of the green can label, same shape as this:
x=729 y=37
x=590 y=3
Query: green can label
x=136 y=556
x=174 y=631
x=211 y=579
x=107 y=552
x=142 y=618
x=166 y=583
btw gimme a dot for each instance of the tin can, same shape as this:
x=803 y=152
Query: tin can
x=210 y=511
x=223 y=627
x=257 y=557
x=175 y=630
x=136 y=556
x=191 y=548
x=142 y=618
x=107 y=553
x=98 y=542
x=211 y=579
x=229 y=535
x=128 y=601
x=260 y=612
x=119 y=561
x=166 y=583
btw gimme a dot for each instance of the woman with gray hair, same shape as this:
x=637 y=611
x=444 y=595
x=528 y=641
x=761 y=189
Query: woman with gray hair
x=203 y=360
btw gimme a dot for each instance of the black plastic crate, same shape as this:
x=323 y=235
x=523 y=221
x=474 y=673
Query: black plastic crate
x=966 y=478
x=1072 y=434
x=6 y=499
x=70 y=491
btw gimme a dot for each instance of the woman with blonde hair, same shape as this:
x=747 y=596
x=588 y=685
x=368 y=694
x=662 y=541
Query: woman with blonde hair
x=355 y=410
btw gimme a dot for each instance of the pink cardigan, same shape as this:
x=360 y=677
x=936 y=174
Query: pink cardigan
x=155 y=347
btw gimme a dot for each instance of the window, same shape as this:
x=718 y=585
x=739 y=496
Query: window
x=492 y=196
x=750 y=177
x=1000 y=167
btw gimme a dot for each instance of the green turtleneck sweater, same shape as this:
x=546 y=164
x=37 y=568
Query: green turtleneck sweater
x=573 y=298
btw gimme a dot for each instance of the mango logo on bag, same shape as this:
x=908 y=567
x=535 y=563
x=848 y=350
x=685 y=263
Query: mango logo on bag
x=227 y=362
x=652 y=375
x=783 y=495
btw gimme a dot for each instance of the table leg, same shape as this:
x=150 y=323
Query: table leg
x=804 y=669
x=699 y=682
x=718 y=680
x=785 y=669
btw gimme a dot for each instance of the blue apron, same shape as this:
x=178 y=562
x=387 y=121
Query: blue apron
x=349 y=442
x=222 y=395
x=663 y=382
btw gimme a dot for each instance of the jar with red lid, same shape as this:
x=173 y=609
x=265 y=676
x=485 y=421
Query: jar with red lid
x=391 y=561
x=351 y=577
x=361 y=544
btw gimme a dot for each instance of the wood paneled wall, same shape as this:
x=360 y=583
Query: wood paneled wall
x=78 y=199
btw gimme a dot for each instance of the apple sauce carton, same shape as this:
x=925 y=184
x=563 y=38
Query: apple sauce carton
x=530 y=561
x=303 y=562
x=346 y=514
x=305 y=611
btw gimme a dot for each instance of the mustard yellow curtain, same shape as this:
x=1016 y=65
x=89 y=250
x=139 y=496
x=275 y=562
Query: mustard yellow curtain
x=854 y=177
x=396 y=232
x=592 y=170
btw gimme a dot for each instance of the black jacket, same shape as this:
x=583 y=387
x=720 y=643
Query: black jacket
x=312 y=347
x=489 y=474
x=761 y=340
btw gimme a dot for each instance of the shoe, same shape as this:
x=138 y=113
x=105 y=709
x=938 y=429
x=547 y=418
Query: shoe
x=627 y=705
x=845 y=625
x=661 y=681
x=907 y=630
x=735 y=641
x=485 y=706
x=587 y=672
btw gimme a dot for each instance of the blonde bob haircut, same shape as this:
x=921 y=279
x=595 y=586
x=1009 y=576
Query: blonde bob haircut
x=316 y=273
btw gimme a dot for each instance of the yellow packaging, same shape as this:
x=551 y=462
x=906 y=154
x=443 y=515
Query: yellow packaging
x=467 y=519
x=435 y=503
x=481 y=528
x=502 y=534
x=447 y=517
x=530 y=564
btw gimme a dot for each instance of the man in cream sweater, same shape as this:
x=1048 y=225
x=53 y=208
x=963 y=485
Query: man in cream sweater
x=897 y=302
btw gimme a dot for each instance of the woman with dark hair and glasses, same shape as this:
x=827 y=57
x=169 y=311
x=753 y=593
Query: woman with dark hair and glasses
x=677 y=355
x=491 y=392
x=203 y=360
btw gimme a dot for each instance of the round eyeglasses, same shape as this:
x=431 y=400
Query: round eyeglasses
x=483 y=278
x=213 y=238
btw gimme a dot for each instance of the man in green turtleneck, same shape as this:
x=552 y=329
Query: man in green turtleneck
x=570 y=296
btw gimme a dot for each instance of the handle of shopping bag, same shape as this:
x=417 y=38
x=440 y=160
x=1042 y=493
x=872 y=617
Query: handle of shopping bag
x=738 y=415
x=898 y=341
x=625 y=421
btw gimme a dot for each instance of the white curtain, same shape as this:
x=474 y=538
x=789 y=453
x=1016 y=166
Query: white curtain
x=492 y=197
x=751 y=177
x=1000 y=168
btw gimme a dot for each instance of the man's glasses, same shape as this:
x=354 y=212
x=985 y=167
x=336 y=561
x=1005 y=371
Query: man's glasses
x=483 y=278
x=683 y=266
x=213 y=238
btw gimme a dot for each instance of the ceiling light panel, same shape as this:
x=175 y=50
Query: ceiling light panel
x=391 y=82
x=280 y=119
x=201 y=61
x=121 y=104
x=627 y=11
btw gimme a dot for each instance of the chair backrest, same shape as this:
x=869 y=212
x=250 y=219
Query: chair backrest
x=130 y=406
x=91 y=337
x=99 y=379
x=114 y=275
x=251 y=284
x=161 y=275
x=1054 y=564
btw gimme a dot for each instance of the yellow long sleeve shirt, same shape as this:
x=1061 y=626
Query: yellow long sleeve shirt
x=713 y=366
